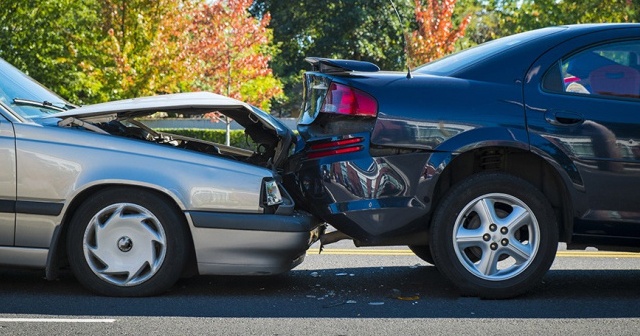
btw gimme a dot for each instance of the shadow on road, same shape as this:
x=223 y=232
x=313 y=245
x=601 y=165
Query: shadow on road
x=387 y=292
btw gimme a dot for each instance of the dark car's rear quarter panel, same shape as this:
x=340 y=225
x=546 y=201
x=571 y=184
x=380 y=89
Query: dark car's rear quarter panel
x=425 y=112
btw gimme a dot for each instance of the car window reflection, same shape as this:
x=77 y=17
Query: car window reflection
x=606 y=70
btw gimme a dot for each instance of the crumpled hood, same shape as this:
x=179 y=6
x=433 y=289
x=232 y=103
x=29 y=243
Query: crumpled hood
x=141 y=106
x=254 y=120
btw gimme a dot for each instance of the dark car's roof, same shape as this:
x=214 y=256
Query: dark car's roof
x=508 y=57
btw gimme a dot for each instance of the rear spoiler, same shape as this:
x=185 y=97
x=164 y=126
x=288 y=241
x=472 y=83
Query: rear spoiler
x=327 y=65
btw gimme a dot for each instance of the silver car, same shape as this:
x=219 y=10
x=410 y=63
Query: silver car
x=131 y=210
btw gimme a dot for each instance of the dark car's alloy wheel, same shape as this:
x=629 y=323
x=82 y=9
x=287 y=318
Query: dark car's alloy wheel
x=127 y=242
x=494 y=235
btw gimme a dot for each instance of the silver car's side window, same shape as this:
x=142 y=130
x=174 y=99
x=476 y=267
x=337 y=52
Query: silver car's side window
x=605 y=70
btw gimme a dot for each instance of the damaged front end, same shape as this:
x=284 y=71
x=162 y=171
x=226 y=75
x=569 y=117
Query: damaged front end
x=270 y=140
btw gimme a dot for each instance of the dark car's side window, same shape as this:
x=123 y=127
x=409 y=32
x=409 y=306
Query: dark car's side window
x=605 y=70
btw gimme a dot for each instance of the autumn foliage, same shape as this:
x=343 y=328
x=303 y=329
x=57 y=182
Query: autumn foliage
x=436 y=34
x=146 y=47
x=132 y=48
x=232 y=52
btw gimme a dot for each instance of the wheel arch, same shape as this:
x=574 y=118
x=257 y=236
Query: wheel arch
x=515 y=160
x=57 y=252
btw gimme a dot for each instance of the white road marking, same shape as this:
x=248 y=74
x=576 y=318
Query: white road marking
x=56 y=320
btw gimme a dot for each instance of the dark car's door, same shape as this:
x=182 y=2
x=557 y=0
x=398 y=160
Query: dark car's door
x=7 y=182
x=583 y=97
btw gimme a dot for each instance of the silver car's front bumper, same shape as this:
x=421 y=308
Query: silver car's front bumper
x=251 y=244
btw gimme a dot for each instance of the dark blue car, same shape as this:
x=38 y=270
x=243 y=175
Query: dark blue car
x=480 y=162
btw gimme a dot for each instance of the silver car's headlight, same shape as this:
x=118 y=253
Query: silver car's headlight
x=272 y=193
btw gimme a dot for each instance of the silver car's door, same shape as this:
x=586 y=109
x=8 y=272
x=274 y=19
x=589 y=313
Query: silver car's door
x=7 y=182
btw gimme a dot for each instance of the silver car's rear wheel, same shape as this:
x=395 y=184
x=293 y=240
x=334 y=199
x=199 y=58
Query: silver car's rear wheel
x=127 y=242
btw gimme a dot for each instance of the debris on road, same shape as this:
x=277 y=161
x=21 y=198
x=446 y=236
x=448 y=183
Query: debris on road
x=397 y=294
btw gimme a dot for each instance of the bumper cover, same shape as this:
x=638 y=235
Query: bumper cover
x=375 y=200
x=251 y=244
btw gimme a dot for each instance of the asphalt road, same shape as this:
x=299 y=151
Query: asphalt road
x=344 y=291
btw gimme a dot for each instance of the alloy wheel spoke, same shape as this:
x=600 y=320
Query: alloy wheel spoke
x=468 y=238
x=520 y=252
x=518 y=218
x=485 y=210
x=488 y=263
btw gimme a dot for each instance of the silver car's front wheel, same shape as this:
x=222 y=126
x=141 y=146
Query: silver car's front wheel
x=127 y=242
x=124 y=244
x=494 y=235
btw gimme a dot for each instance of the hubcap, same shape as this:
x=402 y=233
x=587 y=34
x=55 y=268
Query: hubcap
x=125 y=244
x=496 y=237
x=109 y=247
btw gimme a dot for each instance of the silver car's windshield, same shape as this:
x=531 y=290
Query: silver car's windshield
x=25 y=96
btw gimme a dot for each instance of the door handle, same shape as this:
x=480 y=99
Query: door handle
x=563 y=118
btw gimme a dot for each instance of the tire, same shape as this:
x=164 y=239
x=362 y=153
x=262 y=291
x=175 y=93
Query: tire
x=494 y=236
x=423 y=252
x=127 y=242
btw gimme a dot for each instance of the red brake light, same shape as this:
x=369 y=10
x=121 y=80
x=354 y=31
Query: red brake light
x=338 y=143
x=337 y=147
x=343 y=99
x=315 y=155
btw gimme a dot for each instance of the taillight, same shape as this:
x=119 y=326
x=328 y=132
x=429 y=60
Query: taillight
x=344 y=146
x=343 y=99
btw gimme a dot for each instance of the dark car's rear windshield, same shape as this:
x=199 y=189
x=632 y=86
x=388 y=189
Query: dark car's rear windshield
x=460 y=60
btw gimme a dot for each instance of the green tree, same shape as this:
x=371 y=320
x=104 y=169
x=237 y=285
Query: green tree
x=146 y=44
x=97 y=50
x=52 y=41
x=496 y=18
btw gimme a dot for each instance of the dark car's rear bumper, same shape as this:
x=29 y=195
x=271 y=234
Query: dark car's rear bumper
x=251 y=244
x=375 y=200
